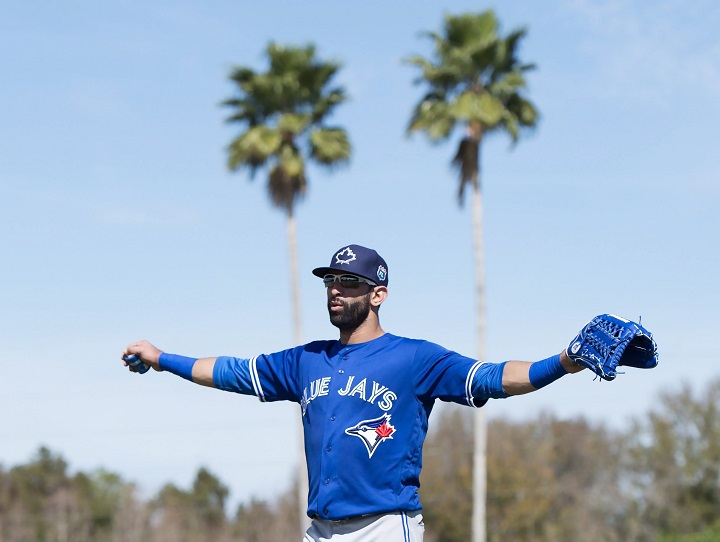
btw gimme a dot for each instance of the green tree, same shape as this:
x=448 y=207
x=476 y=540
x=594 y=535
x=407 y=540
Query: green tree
x=284 y=113
x=674 y=464
x=174 y=518
x=475 y=82
x=108 y=501
x=42 y=502
x=446 y=490
x=198 y=514
x=209 y=495
x=40 y=491
x=548 y=480
x=260 y=521
x=252 y=521
x=553 y=480
x=711 y=534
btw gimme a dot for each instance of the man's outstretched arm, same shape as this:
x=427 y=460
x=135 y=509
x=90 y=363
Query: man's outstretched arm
x=521 y=377
x=199 y=371
x=262 y=376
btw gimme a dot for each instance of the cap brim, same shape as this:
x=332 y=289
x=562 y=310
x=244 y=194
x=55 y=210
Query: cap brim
x=322 y=271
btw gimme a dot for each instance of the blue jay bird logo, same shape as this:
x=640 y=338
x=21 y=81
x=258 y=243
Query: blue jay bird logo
x=372 y=432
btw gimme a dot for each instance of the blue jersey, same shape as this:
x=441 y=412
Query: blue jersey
x=365 y=410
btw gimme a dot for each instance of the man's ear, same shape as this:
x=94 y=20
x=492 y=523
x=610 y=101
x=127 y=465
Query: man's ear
x=379 y=294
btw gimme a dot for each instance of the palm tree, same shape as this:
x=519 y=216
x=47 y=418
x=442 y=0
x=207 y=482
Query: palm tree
x=283 y=113
x=475 y=82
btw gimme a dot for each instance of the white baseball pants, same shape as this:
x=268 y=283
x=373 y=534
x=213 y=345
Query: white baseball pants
x=389 y=527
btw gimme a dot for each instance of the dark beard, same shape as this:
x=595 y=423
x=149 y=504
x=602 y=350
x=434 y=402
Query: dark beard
x=352 y=315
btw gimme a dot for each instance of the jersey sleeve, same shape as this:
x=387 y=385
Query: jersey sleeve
x=270 y=377
x=232 y=374
x=442 y=374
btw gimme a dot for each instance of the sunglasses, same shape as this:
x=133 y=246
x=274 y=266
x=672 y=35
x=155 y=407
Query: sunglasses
x=346 y=281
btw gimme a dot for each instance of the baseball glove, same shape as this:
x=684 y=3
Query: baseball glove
x=608 y=341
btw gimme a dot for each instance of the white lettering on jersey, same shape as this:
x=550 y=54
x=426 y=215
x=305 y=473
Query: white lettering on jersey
x=345 y=390
x=359 y=390
x=321 y=387
x=386 y=403
x=318 y=388
x=378 y=390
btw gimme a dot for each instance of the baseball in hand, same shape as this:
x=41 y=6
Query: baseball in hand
x=136 y=364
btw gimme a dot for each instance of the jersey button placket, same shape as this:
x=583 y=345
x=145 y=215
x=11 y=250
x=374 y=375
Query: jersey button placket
x=327 y=466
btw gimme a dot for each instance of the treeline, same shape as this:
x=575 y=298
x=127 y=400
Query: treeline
x=43 y=502
x=548 y=480
x=554 y=480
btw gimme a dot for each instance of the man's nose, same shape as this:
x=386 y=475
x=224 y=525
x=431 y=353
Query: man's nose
x=335 y=286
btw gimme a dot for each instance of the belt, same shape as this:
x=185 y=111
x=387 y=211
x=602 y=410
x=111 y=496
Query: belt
x=341 y=520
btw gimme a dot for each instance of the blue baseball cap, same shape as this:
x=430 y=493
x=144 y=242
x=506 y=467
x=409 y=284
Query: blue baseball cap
x=356 y=260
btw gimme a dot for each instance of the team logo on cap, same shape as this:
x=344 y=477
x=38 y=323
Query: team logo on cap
x=381 y=272
x=372 y=432
x=345 y=256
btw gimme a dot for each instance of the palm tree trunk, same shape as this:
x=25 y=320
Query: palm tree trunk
x=294 y=278
x=297 y=335
x=479 y=521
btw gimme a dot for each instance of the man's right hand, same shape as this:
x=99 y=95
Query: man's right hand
x=145 y=351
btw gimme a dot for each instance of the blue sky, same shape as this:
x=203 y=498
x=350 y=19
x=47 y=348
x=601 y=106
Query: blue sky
x=120 y=220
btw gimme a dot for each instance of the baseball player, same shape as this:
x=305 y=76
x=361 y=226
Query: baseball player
x=365 y=401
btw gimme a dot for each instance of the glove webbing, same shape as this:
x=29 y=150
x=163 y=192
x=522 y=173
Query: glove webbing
x=598 y=344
